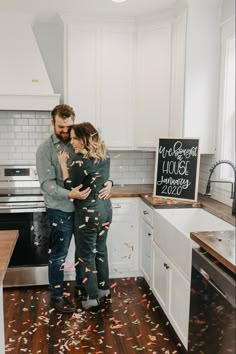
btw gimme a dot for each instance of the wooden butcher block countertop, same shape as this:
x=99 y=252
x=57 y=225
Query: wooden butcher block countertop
x=145 y=192
x=7 y=243
x=219 y=244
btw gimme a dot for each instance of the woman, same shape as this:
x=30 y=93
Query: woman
x=93 y=215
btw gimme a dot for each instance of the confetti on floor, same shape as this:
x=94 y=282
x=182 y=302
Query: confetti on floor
x=123 y=325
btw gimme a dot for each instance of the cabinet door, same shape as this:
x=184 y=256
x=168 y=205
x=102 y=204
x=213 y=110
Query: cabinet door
x=81 y=72
x=160 y=277
x=202 y=73
x=99 y=79
x=152 y=85
x=179 y=297
x=123 y=240
x=116 y=86
x=145 y=249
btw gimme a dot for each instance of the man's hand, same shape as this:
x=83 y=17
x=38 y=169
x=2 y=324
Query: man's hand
x=105 y=192
x=75 y=193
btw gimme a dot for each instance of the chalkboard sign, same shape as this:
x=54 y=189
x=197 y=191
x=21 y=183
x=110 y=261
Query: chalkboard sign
x=177 y=168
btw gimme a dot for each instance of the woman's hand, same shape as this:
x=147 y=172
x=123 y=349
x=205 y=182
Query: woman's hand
x=105 y=192
x=62 y=158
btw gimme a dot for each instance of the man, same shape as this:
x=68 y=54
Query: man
x=59 y=202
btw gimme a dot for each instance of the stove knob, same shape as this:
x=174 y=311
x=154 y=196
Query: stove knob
x=34 y=174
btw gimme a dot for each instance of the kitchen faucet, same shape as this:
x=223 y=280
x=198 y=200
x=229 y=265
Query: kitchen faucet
x=233 y=184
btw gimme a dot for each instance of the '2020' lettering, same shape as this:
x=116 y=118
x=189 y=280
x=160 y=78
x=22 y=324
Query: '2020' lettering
x=172 y=190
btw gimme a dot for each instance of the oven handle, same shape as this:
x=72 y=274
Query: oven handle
x=207 y=277
x=21 y=206
x=21 y=209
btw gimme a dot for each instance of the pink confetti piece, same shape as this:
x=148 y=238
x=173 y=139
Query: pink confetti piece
x=66 y=294
x=113 y=285
x=84 y=280
x=105 y=223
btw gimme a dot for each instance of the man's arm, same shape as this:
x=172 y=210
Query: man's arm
x=105 y=192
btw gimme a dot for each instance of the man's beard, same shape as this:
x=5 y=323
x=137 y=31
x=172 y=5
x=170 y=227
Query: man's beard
x=64 y=137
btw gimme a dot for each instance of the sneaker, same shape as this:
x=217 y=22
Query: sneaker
x=91 y=304
x=62 y=305
x=104 y=294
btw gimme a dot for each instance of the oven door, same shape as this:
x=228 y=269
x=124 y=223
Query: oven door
x=28 y=264
x=212 y=307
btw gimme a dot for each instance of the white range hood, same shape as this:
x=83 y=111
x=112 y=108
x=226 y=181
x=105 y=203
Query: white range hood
x=24 y=81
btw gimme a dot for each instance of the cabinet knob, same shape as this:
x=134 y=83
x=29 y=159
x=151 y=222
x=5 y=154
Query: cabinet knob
x=166 y=266
x=149 y=234
x=145 y=212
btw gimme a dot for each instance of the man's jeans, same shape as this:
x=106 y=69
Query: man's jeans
x=62 y=225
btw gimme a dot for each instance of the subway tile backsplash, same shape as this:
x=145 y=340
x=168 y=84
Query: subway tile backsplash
x=22 y=132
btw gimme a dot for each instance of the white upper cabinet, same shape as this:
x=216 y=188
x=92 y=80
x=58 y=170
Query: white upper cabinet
x=202 y=72
x=81 y=71
x=116 y=115
x=195 y=73
x=152 y=101
x=119 y=80
x=138 y=81
x=100 y=79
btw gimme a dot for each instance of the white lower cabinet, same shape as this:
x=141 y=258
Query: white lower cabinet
x=146 y=236
x=160 y=277
x=172 y=291
x=179 y=303
x=146 y=239
x=123 y=241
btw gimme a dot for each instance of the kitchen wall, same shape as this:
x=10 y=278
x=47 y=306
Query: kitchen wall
x=219 y=191
x=22 y=132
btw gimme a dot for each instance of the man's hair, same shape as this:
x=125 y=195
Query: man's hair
x=63 y=111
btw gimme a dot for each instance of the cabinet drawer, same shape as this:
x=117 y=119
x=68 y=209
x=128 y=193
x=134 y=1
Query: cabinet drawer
x=124 y=205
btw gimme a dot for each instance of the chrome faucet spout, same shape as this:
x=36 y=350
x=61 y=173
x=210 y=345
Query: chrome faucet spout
x=233 y=184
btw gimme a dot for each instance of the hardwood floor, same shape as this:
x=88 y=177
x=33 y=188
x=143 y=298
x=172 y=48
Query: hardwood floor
x=131 y=323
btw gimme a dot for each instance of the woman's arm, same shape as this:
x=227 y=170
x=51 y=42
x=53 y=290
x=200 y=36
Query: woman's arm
x=75 y=192
x=62 y=158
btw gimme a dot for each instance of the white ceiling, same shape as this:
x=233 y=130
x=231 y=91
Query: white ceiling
x=87 y=7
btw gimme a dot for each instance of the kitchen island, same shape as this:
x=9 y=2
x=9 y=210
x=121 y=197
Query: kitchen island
x=7 y=243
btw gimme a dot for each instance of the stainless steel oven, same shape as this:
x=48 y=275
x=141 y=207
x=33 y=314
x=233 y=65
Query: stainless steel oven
x=22 y=208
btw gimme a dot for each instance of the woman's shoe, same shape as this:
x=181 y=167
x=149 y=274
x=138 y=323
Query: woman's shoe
x=104 y=295
x=91 y=304
x=80 y=293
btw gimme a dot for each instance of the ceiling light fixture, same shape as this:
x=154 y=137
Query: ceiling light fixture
x=118 y=0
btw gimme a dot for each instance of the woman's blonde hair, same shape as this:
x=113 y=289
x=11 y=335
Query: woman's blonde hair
x=94 y=147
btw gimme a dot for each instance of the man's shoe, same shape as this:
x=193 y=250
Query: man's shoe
x=62 y=305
